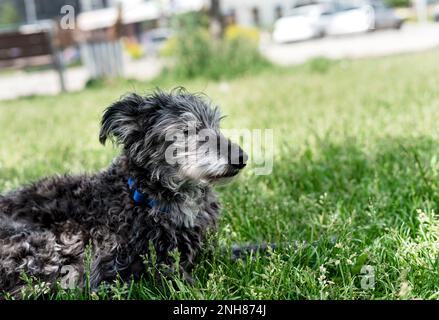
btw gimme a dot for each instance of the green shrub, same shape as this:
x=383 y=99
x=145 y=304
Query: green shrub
x=8 y=13
x=320 y=64
x=398 y=3
x=196 y=54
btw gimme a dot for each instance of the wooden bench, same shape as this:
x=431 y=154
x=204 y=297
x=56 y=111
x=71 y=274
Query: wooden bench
x=18 y=50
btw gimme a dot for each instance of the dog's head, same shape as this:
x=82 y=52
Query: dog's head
x=175 y=134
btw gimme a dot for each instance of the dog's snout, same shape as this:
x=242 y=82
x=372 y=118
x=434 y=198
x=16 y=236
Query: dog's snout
x=242 y=160
x=237 y=157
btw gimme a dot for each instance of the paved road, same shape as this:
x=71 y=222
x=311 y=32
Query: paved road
x=410 y=38
x=22 y=83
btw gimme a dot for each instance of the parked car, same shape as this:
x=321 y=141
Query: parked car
x=335 y=18
x=371 y=15
x=385 y=17
x=350 y=19
x=305 y=22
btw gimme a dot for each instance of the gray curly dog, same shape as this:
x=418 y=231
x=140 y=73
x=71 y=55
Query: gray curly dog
x=158 y=191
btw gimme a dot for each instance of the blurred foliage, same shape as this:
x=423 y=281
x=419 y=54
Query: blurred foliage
x=169 y=48
x=134 y=49
x=8 y=13
x=197 y=54
x=234 y=32
x=398 y=3
x=320 y=64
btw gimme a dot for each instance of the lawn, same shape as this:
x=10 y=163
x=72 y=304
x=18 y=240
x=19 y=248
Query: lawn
x=353 y=195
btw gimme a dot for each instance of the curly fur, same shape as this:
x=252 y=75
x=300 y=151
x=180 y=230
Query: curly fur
x=48 y=224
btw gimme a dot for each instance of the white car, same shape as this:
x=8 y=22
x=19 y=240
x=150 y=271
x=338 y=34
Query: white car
x=303 y=23
x=351 y=19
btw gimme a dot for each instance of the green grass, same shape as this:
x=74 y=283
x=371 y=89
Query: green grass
x=354 y=183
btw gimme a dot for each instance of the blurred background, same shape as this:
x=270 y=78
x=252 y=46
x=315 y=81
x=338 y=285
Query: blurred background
x=49 y=46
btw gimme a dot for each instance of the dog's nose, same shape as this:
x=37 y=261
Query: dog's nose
x=239 y=160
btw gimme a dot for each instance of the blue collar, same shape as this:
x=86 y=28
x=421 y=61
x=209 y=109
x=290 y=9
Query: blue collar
x=140 y=198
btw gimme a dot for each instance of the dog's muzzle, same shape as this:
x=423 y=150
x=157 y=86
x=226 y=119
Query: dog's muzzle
x=237 y=160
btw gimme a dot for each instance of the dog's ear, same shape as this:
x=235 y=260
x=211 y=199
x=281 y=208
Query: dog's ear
x=122 y=121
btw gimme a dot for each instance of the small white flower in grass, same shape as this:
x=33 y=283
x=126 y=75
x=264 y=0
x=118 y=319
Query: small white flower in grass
x=322 y=277
x=339 y=245
x=422 y=216
x=94 y=296
x=405 y=289
x=336 y=262
x=350 y=261
x=324 y=282
x=322 y=198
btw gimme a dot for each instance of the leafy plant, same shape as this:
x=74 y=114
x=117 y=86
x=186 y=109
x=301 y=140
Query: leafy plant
x=8 y=13
x=196 y=54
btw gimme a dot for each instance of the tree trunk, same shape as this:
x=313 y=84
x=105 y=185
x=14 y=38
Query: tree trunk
x=216 y=20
